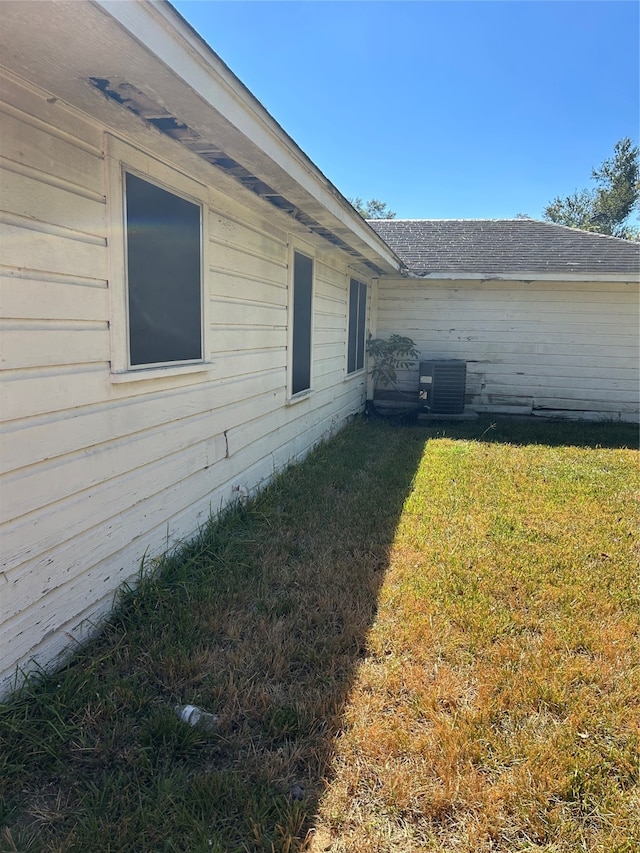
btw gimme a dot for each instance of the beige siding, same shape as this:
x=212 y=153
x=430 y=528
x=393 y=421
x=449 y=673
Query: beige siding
x=554 y=348
x=96 y=474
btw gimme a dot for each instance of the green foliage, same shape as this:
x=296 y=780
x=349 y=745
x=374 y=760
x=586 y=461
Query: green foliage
x=576 y=210
x=389 y=356
x=372 y=209
x=607 y=208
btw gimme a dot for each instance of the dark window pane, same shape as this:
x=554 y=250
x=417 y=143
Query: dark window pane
x=353 y=326
x=357 y=323
x=164 y=275
x=302 y=299
x=362 y=322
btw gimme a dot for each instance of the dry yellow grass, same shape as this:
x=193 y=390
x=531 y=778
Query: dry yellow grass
x=413 y=641
x=499 y=705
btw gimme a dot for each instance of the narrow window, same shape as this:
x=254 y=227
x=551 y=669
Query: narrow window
x=357 y=323
x=164 y=275
x=301 y=340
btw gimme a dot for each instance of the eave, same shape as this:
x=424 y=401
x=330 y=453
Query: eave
x=524 y=276
x=83 y=53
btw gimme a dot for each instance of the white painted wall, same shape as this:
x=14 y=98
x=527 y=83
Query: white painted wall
x=550 y=348
x=95 y=473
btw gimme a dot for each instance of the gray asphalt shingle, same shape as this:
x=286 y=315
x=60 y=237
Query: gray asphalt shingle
x=499 y=246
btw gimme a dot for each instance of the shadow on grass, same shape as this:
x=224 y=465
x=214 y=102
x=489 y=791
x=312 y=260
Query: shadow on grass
x=263 y=620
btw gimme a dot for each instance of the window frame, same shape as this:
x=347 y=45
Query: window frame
x=299 y=248
x=121 y=159
x=362 y=308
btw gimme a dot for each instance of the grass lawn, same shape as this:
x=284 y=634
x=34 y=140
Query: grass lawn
x=418 y=640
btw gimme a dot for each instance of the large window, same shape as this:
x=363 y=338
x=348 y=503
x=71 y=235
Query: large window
x=357 y=323
x=302 y=323
x=164 y=275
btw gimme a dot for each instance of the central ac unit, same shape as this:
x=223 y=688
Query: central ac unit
x=442 y=386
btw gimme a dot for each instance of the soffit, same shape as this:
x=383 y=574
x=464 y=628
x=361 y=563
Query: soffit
x=138 y=67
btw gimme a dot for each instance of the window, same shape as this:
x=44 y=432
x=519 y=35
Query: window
x=163 y=275
x=301 y=323
x=158 y=259
x=357 y=323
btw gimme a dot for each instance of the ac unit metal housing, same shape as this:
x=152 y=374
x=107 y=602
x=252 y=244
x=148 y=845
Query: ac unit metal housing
x=442 y=386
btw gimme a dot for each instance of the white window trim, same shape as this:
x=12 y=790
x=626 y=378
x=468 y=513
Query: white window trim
x=352 y=274
x=302 y=248
x=121 y=157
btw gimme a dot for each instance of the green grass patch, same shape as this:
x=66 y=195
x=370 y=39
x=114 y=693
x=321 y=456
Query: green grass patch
x=418 y=639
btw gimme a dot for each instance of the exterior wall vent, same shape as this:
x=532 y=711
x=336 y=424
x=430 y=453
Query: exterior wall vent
x=442 y=386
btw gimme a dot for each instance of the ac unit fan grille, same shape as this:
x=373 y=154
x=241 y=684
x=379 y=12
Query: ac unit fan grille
x=442 y=386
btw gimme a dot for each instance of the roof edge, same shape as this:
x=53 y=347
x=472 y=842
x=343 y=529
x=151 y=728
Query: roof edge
x=213 y=95
x=208 y=56
x=522 y=275
x=514 y=219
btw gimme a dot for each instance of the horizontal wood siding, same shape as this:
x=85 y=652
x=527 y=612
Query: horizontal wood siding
x=556 y=348
x=96 y=474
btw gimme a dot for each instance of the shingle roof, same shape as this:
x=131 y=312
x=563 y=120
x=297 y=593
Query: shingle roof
x=498 y=246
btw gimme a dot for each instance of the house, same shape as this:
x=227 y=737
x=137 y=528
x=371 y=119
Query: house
x=546 y=317
x=185 y=299
x=185 y=305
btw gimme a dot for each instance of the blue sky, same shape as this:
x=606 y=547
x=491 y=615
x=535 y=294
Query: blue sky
x=442 y=109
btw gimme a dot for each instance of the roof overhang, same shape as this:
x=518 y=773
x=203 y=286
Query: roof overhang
x=525 y=276
x=137 y=67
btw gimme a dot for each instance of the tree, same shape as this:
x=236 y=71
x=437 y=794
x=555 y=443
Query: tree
x=607 y=208
x=372 y=209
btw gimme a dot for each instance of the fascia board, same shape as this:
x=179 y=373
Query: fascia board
x=526 y=276
x=163 y=32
